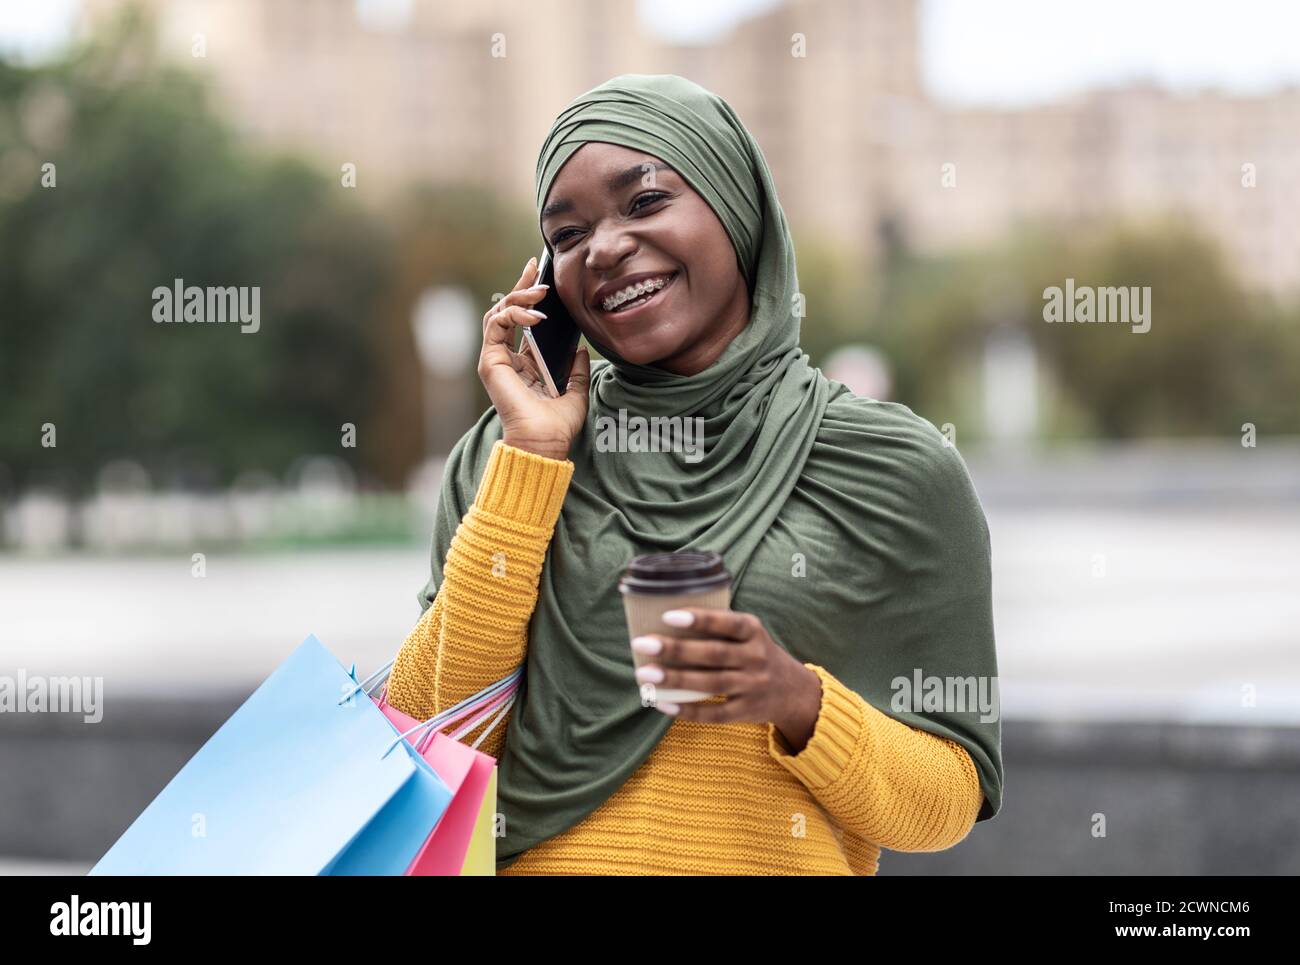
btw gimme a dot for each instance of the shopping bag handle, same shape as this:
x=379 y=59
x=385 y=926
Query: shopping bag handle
x=510 y=702
x=365 y=684
x=431 y=727
x=489 y=695
x=503 y=689
x=510 y=679
x=499 y=705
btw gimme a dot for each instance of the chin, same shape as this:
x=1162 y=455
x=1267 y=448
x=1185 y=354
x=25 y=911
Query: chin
x=641 y=353
x=640 y=358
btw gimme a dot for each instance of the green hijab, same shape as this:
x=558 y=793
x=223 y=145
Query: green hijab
x=849 y=525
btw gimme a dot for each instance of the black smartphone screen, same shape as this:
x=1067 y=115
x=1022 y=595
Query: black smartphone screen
x=556 y=335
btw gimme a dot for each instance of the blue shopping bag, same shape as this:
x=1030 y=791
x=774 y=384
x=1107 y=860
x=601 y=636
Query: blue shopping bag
x=307 y=777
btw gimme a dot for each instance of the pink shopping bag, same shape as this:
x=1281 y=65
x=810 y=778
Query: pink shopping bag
x=462 y=842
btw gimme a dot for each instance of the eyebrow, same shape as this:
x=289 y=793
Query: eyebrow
x=614 y=183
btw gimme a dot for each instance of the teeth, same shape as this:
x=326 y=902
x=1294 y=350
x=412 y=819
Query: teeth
x=633 y=292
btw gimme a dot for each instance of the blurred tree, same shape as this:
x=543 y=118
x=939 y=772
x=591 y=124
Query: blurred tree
x=455 y=234
x=151 y=185
x=1215 y=356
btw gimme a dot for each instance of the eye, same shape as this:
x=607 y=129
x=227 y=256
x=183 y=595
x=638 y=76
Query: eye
x=652 y=197
x=649 y=197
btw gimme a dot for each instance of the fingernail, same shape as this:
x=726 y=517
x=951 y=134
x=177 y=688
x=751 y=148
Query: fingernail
x=647 y=644
x=677 y=618
x=538 y=286
x=533 y=311
x=669 y=709
x=649 y=675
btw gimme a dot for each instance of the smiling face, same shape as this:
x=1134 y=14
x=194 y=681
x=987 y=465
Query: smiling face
x=617 y=217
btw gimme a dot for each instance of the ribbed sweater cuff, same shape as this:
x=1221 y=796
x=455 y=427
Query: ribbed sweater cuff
x=523 y=486
x=835 y=736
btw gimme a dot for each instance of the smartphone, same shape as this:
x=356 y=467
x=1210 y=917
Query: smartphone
x=553 y=341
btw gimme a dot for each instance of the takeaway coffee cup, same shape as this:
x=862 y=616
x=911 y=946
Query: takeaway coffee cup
x=666 y=581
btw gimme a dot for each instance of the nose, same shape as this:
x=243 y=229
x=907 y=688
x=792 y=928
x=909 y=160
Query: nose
x=607 y=248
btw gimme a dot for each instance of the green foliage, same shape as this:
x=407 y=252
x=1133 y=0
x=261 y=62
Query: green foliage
x=1215 y=356
x=152 y=186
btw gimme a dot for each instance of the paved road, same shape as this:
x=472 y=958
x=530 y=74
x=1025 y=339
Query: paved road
x=1146 y=614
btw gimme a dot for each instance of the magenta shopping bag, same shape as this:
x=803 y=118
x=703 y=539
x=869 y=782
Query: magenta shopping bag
x=463 y=841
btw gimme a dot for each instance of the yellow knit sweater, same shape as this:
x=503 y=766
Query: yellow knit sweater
x=711 y=798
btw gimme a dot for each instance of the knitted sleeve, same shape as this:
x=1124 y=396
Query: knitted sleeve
x=900 y=787
x=476 y=631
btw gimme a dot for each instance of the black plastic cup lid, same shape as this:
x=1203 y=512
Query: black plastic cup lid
x=674 y=573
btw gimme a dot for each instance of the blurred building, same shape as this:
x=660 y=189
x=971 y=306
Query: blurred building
x=403 y=88
x=831 y=89
x=1133 y=152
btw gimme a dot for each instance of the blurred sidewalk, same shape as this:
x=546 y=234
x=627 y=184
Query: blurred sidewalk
x=27 y=868
x=1140 y=613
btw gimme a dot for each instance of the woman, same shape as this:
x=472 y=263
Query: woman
x=859 y=551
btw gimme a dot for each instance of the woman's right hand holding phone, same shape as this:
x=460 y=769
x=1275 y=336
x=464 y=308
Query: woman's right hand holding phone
x=530 y=418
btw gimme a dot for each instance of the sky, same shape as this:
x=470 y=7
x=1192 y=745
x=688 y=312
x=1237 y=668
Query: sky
x=990 y=52
x=1018 y=52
